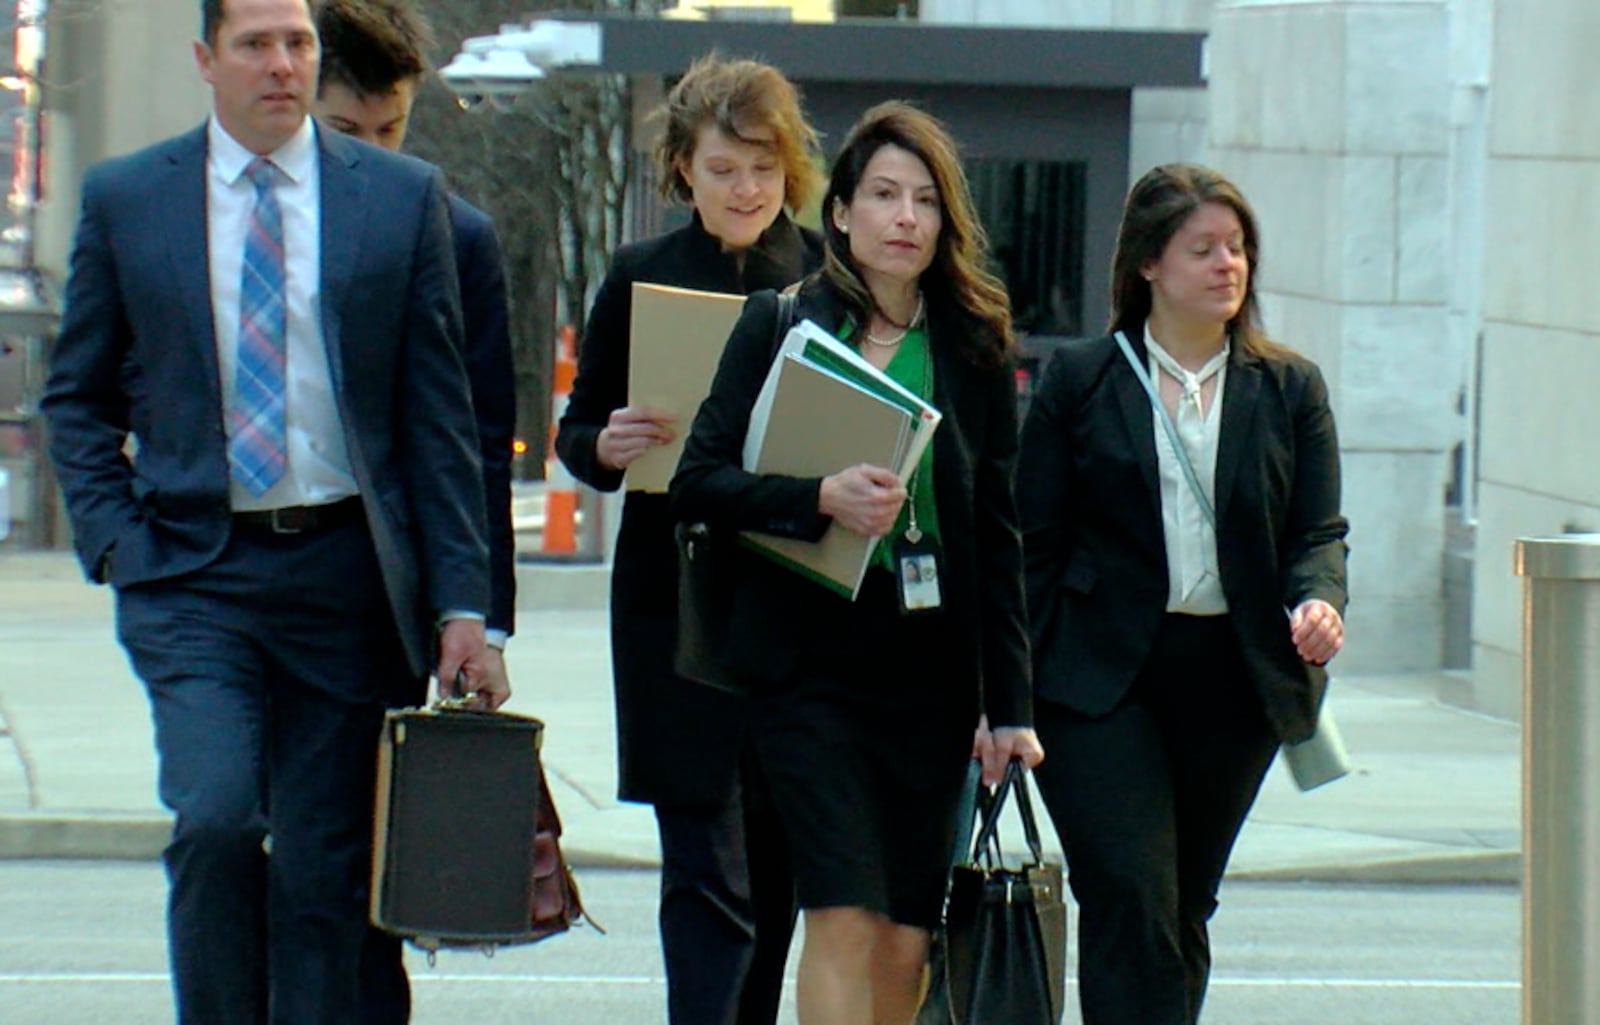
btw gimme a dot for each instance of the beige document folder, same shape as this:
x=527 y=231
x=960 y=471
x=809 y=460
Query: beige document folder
x=819 y=424
x=675 y=339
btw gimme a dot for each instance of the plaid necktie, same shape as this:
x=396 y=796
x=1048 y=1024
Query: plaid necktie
x=258 y=451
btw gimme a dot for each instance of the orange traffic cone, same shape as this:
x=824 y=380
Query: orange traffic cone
x=560 y=489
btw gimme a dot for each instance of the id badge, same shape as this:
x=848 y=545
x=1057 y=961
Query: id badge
x=917 y=572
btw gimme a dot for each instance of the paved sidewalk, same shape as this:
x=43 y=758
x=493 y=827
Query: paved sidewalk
x=1435 y=794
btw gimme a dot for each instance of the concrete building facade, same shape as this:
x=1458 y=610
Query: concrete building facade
x=118 y=78
x=1334 y=118
x=1538 y=471
x=1358 y=128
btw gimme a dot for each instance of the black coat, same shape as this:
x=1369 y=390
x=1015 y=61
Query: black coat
x=974 y=449
x=677 y=741
x=1089 y=494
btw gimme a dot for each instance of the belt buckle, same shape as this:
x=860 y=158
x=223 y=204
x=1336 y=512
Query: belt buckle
x=295 y=523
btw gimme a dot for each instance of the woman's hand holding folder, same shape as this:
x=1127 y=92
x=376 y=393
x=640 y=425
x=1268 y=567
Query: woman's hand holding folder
x=862 y=498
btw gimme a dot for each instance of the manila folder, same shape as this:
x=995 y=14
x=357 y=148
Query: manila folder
x=819 y=424
x=675 y=340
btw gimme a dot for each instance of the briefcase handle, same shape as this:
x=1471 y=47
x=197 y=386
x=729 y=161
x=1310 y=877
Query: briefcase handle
x=462 y=701
x=990 y=805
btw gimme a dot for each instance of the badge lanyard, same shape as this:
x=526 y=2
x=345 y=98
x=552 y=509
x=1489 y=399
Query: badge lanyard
x=916 y=557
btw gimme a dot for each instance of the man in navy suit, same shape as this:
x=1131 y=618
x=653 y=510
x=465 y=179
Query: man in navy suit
x=271 y=313
x=374 y=57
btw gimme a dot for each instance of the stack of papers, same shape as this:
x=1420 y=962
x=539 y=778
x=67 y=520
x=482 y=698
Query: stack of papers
x=675 y=338
x=823 y=409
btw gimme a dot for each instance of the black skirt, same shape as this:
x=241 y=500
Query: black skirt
x=865 y=748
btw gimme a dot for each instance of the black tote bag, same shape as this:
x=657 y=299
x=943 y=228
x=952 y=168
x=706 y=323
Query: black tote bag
x=1005 y=928
x=706 y=558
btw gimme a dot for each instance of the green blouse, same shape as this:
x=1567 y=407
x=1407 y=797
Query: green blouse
x=911 y=366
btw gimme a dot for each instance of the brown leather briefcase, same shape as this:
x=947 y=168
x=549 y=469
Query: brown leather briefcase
x=465 y=848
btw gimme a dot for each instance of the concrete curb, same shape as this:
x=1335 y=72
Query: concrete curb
x=142 y=837
x=583 y=857
x=86 y=835
x=1442 y=868
x=95 y=836
x=562 y=587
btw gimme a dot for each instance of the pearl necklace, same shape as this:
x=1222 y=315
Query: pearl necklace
x=889 y=343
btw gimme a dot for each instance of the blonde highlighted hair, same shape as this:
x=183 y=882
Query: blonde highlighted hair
x=739 y=97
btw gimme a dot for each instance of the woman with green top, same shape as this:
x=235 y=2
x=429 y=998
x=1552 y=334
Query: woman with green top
x=865 y=713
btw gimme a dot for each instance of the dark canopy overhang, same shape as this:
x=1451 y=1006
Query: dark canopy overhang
x=884 y=51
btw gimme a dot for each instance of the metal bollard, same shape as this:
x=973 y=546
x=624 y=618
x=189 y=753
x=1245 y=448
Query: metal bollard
x=1560 y=779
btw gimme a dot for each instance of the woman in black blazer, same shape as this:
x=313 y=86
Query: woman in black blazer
x=1172 y=658
x=864 y=715
x=736 y=146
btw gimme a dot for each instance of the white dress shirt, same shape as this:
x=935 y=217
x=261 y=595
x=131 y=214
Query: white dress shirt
x=319 y=463
x=1194 y=580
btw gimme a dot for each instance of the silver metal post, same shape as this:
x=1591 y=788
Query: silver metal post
x=1560 y=779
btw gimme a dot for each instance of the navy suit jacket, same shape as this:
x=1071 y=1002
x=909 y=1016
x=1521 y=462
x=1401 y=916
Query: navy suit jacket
x=1088 y=488
x=136 y=354
x=487 y=334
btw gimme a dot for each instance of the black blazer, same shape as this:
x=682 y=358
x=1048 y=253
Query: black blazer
x=674 y=737
x=974 y=451
x=136 y=354
x=486 y=331
x=1089 y=496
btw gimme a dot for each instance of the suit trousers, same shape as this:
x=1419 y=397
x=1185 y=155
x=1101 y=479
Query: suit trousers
x=727 y=906
x=263 y=671
x=1148 y=801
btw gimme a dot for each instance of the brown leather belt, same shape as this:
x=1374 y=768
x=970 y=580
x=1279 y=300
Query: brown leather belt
x=302 y=519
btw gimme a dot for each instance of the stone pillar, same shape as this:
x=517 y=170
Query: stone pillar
x=120 y=75
x=1333 y=117
x=1471 y=32
x=1539 y=469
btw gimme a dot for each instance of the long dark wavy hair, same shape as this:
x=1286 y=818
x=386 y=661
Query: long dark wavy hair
x=958 y=287
x=1157 y=206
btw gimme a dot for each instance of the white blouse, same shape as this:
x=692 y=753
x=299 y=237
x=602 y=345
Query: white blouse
x=1194 y=580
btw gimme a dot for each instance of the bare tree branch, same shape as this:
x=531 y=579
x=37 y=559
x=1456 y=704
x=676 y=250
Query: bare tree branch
x=553 y=171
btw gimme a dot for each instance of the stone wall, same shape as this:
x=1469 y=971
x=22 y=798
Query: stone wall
x=121 y=75
x=1539 y=473
x=1334 y=119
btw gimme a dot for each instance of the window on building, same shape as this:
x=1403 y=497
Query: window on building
x=876 y=8
x=1034 y=214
